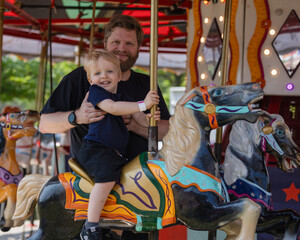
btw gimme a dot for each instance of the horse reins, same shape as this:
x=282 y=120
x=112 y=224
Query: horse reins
x=267 y=136
x=8 y=126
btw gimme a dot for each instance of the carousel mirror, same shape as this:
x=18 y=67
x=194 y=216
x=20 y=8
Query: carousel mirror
x=287 y=43
x=212 y=49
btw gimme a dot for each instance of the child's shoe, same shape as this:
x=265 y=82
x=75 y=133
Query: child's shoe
x=93 y=233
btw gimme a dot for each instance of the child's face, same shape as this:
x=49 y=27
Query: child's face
x=105 y=74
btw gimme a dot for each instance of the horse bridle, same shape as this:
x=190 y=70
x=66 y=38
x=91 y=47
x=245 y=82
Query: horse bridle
x=267 y=136
x=210 y=109
x=8 y=126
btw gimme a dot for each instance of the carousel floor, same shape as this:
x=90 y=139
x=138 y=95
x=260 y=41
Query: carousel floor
x=19 y=233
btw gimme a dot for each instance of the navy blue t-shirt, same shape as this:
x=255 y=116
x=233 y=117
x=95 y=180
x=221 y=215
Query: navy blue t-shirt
x=71 y=91
x=111 y=130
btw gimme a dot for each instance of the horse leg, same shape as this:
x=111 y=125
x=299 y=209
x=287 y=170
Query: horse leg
x=153 y=235
x=204 y=211
x=8 y=194
x=249 y=219
x=246 y=223
x=283 y=223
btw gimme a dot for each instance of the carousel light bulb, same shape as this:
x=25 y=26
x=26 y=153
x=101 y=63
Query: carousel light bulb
x=274 y=72
x=200 y=59
x=290 y=86
x=221 y=18
x=203 y=76
x=206 y=2
x=267 y=52
x=206 y=20
x=202 y=40
x=219 y=73
x=272 y=31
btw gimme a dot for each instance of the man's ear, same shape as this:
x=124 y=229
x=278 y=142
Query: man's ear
x=88 y=78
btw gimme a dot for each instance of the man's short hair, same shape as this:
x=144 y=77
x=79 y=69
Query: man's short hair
x=93 y=56
x=124 y=21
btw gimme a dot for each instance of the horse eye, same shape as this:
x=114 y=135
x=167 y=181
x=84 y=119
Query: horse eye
x=280 y=132
x=217 y=93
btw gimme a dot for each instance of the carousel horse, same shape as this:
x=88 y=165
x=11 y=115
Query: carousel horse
x=13 y=126
x=180 y=185
x=246 y=174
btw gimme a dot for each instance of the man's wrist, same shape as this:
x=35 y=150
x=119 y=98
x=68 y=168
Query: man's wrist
x=72 y=118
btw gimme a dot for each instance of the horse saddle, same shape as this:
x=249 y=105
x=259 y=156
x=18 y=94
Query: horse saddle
x=142 y=196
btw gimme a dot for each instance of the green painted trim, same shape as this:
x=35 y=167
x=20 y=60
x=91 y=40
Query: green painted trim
x=143 y=160
x=78 y=189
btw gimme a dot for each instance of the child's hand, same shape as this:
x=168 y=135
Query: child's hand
x=156 y=115
x=151 y=99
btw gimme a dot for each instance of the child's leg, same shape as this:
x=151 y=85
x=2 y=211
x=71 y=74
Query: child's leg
x=97 y=200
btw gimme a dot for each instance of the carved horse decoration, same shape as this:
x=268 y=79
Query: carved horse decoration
x=246 y=174
x=181 y=185
x=13 y=126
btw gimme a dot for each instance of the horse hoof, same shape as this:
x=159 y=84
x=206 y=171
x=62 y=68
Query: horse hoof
x=5 y=229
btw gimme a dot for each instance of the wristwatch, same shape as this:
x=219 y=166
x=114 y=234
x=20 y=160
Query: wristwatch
x=72 y=119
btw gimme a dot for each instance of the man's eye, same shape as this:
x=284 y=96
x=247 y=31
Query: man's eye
x=97 y=73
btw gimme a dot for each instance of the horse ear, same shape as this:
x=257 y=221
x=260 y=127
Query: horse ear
x=9 y=109
x=266 y=117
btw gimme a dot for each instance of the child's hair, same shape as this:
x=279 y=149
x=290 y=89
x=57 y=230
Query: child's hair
x=93 y=57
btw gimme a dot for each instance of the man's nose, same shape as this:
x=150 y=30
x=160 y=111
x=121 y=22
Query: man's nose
x=122 y=46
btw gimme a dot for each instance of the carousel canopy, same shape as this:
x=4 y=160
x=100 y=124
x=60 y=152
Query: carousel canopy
x=70 y=23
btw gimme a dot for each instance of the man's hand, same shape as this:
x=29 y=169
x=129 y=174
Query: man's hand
x=87 y=113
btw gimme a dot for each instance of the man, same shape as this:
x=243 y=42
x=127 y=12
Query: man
x=67 y=108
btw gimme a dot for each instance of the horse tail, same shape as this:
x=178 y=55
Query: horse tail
x=27 y=195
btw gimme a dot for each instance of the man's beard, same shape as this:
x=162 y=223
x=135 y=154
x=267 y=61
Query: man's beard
x=128 y=64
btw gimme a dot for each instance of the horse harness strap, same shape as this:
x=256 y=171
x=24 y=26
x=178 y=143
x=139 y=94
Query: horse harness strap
x=242 y=188
x=189 y=176
x=267 y=136
x=8 y=126
x=210 y=109
x=8 y=178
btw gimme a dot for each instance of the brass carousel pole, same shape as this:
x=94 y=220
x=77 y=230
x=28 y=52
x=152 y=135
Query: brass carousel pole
x=153 y=130
x=224 y=70
x=92 y=27
x=1 y=37
x=224 y=73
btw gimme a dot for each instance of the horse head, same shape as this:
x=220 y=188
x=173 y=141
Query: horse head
x=276 y=139
x=217 y=106
x=205 y=108
x=19 y=124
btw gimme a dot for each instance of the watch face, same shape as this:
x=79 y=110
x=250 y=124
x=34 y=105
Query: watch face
x=72 y=118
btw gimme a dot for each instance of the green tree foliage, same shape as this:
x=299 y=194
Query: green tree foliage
x=167 y=78
x=19 y=80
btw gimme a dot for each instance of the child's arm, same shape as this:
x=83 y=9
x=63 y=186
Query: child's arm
x=123 y=108
x=143 y=119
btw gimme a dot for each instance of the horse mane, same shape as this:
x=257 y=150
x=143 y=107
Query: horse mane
x=2 y=141
x=182 y=141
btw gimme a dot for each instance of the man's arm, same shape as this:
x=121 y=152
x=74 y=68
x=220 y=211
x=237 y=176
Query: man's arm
x=55 y=122
x=58 y=122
